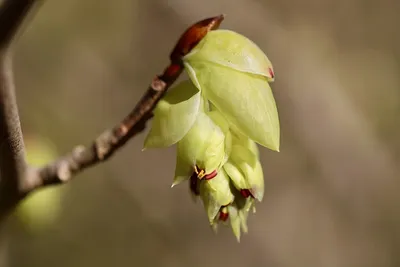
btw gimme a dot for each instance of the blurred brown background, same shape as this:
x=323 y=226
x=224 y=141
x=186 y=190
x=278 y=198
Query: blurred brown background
x=331 y=193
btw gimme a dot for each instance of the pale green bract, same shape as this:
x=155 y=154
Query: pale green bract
x=232 y=50
x=233 y=73
x=174 y=115
x=242 y=140
x=245 y=99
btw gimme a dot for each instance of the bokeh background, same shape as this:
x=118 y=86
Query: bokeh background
x=331 y=193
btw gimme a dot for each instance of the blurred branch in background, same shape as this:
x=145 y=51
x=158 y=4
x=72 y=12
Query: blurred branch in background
x=12 y=158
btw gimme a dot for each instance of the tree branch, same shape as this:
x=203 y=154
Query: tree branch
x=104 y=146
x=108 y=142
x=18 y=180
x=12 y=158
x=12 y=154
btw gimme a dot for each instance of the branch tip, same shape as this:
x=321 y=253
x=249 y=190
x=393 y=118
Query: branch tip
x=193 y=35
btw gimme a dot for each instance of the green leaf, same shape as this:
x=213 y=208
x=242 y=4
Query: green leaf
x=203 y=145
x=244 y=99
x=174 y=115
x=232 y=50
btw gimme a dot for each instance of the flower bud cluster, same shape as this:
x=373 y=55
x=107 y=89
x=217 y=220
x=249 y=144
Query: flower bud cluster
x=216 y=119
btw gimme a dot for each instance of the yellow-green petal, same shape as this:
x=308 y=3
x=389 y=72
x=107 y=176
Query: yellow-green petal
x=203 y=145
x=210 y=205
x=244 y=99
x=220 y=188
x=215 y=193
x=242 y=140
x=228 y=146
x=235 y=221
x=174 y=115
x=232 y=50
x=220 y=120
x=256 y=181
x=244 y=214
x=251 y=168
x=183 y=170
x=236 y=175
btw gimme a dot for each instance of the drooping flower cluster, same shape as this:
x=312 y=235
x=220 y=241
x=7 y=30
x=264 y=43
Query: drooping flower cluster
x=215 y=119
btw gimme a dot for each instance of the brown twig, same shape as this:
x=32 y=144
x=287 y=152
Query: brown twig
x=16 y=178
x=63 y=169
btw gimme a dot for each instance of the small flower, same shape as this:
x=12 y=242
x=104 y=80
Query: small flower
x=201 y=150
x=242 y=164
x=236 y=214
x=216 y=119
x=216 y=194
x=245 y=170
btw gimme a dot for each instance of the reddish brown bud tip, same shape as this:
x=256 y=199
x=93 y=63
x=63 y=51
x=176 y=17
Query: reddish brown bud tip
x=171 y=73
x=193 y=35
x=223 y=216
x=211 y=175
x=271 y=72
x=246 y=193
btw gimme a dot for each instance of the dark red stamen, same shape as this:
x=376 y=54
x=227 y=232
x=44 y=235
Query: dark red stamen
x=193 y=183
x=246 y=193
x=211 y=175
x=223 y=216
